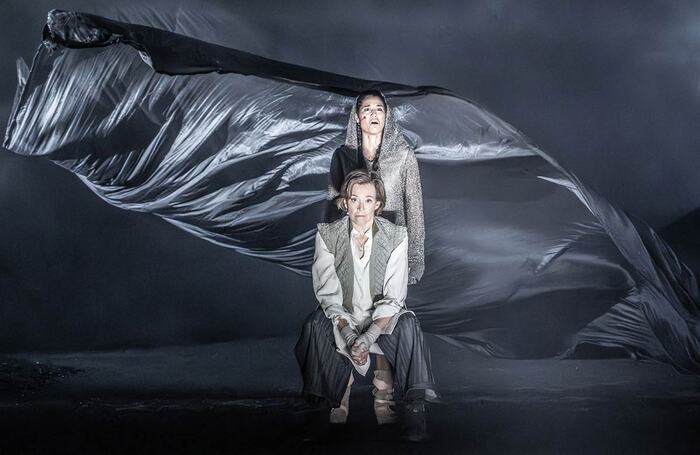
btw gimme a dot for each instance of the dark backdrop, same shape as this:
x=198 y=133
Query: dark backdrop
x=609 y=88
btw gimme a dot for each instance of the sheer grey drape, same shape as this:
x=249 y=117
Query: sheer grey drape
x=522 y=260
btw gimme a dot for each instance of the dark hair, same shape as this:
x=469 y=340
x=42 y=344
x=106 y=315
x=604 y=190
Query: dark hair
x=358 y=102
x=361 y=177
x=366 y=94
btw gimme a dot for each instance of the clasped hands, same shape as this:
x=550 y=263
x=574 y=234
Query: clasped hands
x=359 y=353
x=359 y=345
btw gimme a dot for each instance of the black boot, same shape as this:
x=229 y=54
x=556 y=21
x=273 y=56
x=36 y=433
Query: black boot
x=413 y=426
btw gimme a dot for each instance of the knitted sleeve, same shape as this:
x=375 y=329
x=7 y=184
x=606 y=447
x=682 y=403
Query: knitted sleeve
x=413 y=203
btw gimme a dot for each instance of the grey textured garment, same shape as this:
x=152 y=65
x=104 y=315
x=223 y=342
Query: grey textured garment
x=398 y=168
x=387 y=236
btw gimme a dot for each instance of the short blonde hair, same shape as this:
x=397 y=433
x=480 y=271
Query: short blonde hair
x=361 y=177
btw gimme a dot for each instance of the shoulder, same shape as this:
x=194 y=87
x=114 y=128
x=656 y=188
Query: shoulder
x=332 y=233
x=344 y=152
x=410 y=157
x=393 y=230
x=404 y=155
x=337 y=224
x=384 y=223
x=344 y=160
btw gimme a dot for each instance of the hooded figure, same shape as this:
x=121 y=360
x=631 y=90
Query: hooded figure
x=396 y=163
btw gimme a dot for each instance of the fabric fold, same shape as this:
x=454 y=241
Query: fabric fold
x=522 y=259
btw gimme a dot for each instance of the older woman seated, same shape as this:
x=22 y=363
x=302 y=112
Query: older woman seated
x=360 y=276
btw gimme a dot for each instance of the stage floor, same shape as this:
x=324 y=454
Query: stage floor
x=241 y=397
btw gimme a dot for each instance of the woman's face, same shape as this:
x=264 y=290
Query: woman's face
x=362 y=204
x=372 y=115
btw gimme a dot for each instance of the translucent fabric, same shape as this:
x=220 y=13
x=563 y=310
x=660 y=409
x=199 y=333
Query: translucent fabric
x=522 y=260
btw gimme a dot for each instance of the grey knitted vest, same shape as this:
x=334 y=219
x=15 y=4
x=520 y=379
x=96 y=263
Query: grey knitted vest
x=386 y=237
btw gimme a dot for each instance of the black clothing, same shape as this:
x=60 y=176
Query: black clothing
x=326 y=372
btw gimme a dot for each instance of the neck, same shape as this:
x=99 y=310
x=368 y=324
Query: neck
x=364 y=227
x=370 y=144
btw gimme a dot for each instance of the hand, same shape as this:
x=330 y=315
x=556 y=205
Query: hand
x=342 y=323
x=359 y=353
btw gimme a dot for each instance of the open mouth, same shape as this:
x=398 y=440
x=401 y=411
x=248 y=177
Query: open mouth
x=374 y=122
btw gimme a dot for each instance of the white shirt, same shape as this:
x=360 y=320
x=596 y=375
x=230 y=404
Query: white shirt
x=329 y=292
x=361 y=295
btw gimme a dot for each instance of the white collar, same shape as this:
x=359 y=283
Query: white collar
x=354 y=232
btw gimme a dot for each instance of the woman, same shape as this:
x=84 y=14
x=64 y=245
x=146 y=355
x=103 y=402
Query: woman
x=358 y=315
x=374 y=141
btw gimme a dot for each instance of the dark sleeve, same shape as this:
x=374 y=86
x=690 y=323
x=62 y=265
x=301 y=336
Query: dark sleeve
x=336 y=175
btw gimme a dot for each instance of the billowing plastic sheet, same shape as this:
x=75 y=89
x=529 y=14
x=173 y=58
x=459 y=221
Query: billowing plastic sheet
x=522 y=260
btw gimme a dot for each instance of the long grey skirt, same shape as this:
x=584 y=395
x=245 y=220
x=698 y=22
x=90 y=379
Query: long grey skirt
x=326 y=372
